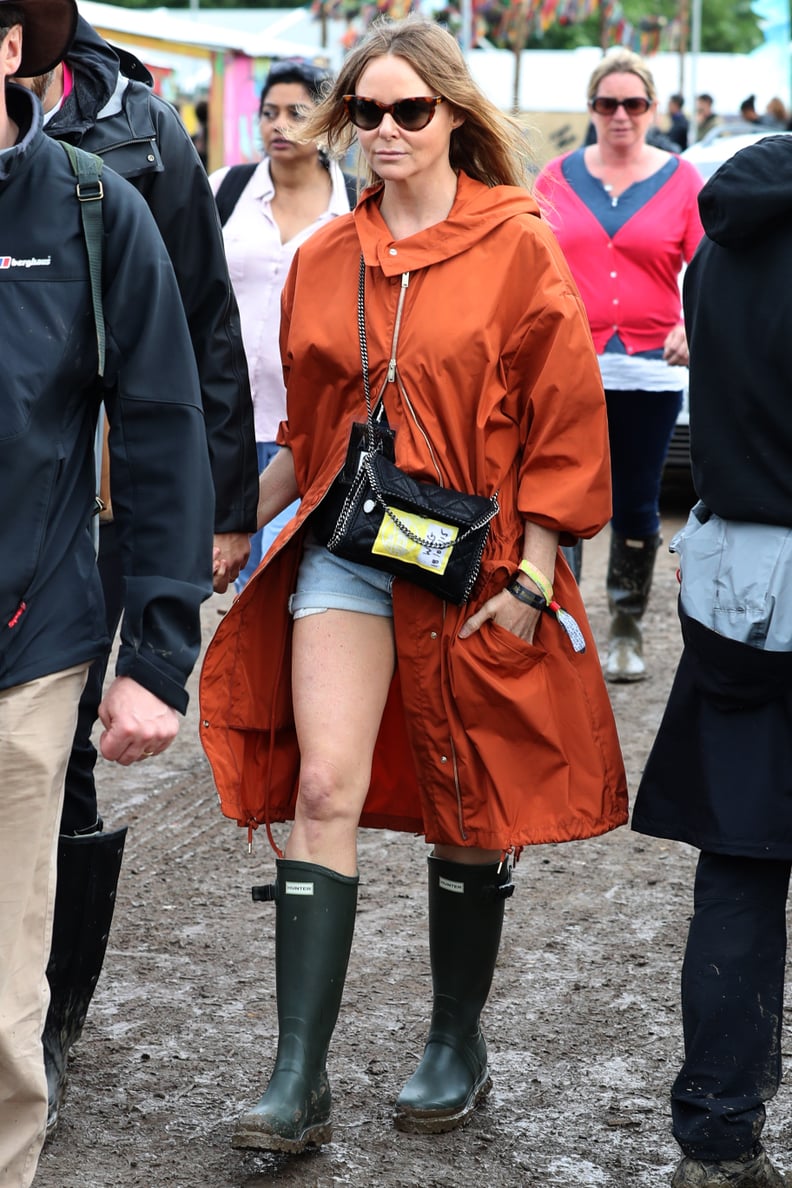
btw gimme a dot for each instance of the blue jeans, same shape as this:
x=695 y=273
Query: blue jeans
x=260 y=541
x=640 y=425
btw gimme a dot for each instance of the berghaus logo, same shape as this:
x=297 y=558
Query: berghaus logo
x=26 y=262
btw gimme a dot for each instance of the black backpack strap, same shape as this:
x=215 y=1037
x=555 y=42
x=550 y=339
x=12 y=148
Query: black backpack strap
x=230 y=188
x=351 y=184
x=87 y=168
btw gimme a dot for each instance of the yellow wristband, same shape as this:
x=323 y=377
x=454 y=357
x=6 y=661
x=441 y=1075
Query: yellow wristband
x=538 y=578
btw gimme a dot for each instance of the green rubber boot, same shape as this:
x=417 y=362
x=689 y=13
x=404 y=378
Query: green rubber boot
x=315 y=920
x=465 y=919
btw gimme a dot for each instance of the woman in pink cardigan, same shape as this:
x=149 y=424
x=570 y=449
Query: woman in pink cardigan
x=626 y=215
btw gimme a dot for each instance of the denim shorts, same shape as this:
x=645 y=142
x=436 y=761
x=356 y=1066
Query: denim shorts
x=327 y=582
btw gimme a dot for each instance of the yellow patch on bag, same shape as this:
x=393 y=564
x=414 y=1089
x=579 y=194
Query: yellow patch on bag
x=432 y=553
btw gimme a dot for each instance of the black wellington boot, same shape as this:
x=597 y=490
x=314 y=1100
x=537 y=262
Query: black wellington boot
x=630 y=569
x=315 y=919
x=465 y=919
x=88 y=870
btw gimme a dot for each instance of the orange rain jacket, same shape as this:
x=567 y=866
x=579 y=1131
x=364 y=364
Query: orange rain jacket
x=488 y=741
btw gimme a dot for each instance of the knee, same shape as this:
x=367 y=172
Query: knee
x=324 y=793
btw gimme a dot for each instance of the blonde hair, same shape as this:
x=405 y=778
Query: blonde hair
x=622 y=61
x=488 y=145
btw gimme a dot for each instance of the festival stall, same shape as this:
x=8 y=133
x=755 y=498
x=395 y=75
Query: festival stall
x=188 y=59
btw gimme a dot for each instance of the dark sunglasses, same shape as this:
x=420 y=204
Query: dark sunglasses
x=604 y=105
x=410 y=114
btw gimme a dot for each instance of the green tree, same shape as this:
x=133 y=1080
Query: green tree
x=727 y=26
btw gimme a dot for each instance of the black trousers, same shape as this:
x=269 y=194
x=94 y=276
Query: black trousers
x=732 y=1003
x=80 y=811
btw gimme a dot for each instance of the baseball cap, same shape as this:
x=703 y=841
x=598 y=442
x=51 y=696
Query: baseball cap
x=48 y=32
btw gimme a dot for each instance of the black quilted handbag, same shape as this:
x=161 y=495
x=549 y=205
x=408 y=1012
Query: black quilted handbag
x=434 y=536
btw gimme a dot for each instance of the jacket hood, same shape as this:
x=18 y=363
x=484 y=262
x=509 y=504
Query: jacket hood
x=477 y=210
x=750 y=194
x=95 y=68
x=25 y=110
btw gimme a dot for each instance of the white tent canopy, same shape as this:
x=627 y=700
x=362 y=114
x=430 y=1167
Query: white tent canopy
x=162 y=24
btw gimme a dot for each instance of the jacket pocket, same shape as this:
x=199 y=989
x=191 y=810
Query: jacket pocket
x=24 y=534
x=497 y=680
x=15 y=412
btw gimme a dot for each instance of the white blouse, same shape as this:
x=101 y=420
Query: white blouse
x=258 y=264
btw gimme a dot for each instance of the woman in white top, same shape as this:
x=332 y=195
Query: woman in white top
x=290 y=194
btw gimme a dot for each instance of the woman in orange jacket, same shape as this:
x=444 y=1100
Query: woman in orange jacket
x=338 y=695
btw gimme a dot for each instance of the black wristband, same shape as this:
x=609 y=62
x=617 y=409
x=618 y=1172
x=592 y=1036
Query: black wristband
x=519 y=591
x=564 y=619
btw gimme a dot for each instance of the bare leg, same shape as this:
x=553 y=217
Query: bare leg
x=467 y=855
x=342 y=666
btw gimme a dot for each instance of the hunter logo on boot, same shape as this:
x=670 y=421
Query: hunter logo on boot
x=451 y=885
x=298 y=888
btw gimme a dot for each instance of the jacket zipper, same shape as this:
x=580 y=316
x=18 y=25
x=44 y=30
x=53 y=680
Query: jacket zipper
x=405 y=280
x=393 y=375
x=462 y=830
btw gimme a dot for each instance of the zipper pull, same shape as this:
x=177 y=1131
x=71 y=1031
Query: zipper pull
x=405 y=280
x=17 y=615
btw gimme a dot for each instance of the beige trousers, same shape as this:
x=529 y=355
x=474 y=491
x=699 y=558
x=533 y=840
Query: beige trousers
x=37 y=723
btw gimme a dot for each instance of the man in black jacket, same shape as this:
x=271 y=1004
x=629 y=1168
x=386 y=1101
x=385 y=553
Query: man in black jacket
x=101 y=100
x=52 y=621
x=719 y=776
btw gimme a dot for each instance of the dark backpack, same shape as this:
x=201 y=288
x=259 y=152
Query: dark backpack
x=238 y=176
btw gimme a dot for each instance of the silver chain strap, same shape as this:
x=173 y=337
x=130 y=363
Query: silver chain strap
x=431 y=542
x=364 y=359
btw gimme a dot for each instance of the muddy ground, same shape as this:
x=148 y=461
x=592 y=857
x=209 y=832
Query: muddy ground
x=583 y=1024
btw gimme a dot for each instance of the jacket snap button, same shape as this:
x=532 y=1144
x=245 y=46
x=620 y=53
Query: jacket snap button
x=433 y=635
x=444 y=759
x=368 y=506
x=392 y=252
x=151 y=157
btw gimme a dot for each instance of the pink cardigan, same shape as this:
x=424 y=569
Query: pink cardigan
x=629 y=282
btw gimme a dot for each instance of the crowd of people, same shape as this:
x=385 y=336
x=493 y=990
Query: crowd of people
x=388 y=410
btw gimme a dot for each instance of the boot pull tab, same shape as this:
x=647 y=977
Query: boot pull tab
x=503 y=888
x=265 y=893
